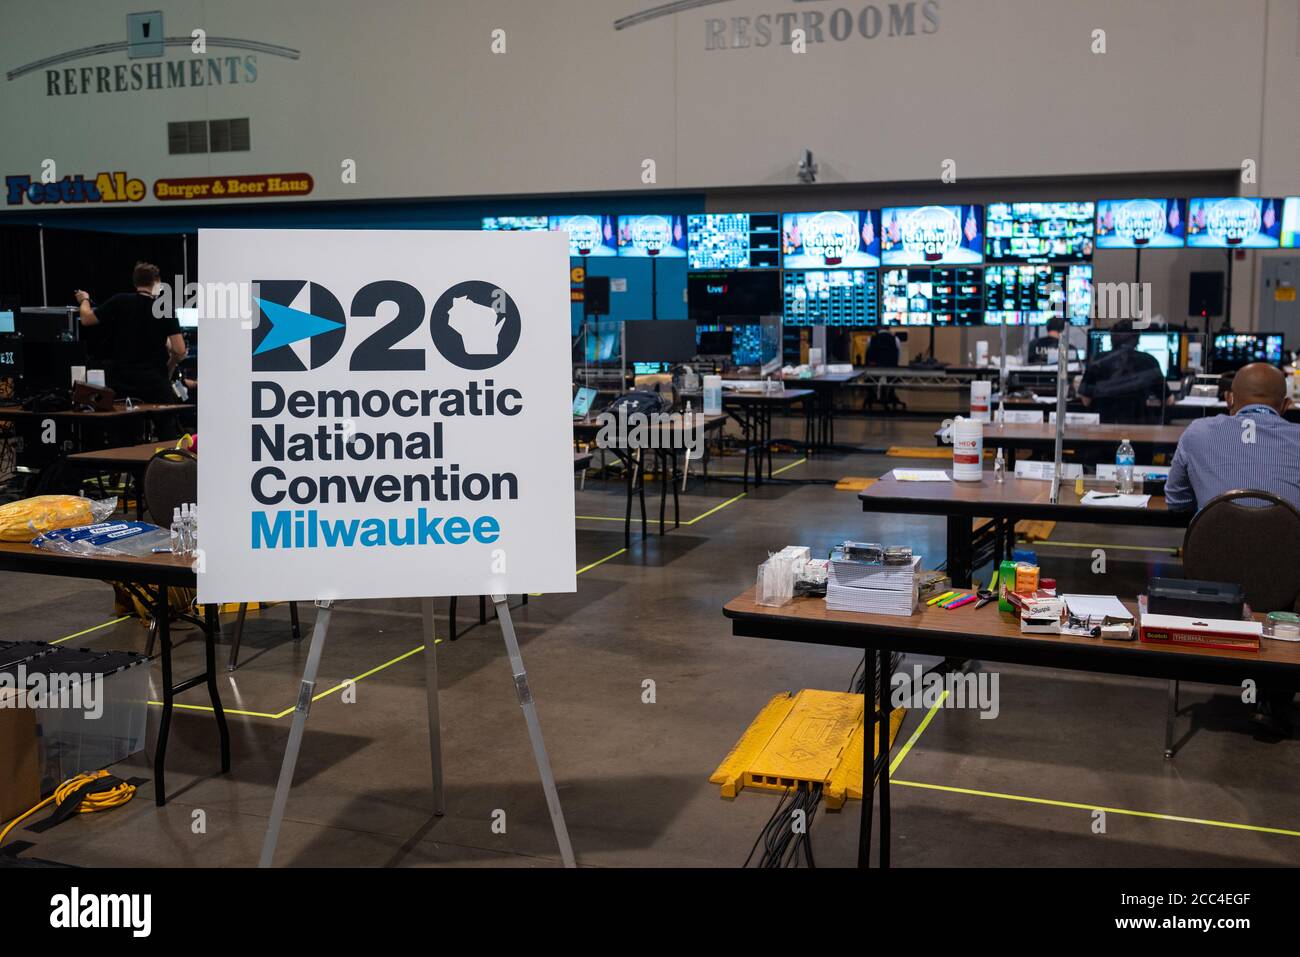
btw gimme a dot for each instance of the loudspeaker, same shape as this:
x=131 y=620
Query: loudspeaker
x=1205 y=294
x=595 y=296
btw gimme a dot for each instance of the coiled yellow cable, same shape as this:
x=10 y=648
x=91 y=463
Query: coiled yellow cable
x=94 y=801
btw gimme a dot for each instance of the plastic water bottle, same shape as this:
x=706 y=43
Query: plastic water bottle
x=1000 y=467
x=187 y=534
x=1124 y=460
x=194 y=528
x=176 y=530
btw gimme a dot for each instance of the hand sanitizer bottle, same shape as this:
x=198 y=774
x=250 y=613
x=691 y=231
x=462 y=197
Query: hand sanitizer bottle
x=1000 y=468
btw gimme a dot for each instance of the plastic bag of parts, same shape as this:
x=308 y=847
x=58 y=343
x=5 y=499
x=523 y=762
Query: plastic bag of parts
x=107 y=538
x=23 y=520
x=776 y=576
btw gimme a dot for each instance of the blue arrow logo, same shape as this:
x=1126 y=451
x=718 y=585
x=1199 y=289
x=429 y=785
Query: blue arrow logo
x=290 y=325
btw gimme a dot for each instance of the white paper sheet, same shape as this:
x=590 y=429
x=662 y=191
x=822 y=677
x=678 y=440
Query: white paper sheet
x=1114 y=500
x=921 y=475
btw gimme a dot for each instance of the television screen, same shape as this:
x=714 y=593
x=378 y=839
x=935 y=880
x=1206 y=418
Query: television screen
x=654 y=235
x=832 y=237
x=526 y=223
x=733 y=241
x=831 y=297
x=588 y=235
x=663 y=340
x=931 y=235
x=1141 y=223
x=1232 y=350
x=924 y=296
x=1161 y=346
x=1234 y=222
x=187 y=318
x=716 y=342
x=1022 y=294
x=1291 y=222
x=1038 y=232
x=733 y=293
x=6 y=322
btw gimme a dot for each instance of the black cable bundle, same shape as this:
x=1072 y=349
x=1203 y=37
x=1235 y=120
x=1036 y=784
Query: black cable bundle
x=782 y=847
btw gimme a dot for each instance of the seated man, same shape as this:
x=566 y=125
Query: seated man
x=1040 y=347
x=1118 y=383
x=1214 y=457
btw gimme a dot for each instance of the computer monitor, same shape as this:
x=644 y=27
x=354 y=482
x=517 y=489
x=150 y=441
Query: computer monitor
x=187 y=318
x=1291 y=222
x=659 y=340
x=711 y=295
x=1164 y=347
x=582 y=402
x=1141 y=223
x=1038 y=232
x=921 y=296
x=733 y=241
x=1234 y=222
x=831 y=297
x=718 y=342
x=932 y=235
x=515 y=223
x=10 y=305
x=653 y=235
x=601 y=345
x=1030 y=294
x=589 y=235
x=1232 y=350
x=831 y=238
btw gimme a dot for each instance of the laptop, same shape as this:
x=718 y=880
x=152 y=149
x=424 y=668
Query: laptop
x=582 y=402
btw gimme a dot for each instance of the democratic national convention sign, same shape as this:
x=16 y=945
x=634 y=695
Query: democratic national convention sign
x=384 y=414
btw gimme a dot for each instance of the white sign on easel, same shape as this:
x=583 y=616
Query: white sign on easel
x=390 y=417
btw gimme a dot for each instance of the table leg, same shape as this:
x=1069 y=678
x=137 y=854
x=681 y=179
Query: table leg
x=677 y=505
x=868 y=769
x=627 y=518
x=210 y=661
x=883 y=725
x=959 y=550
x=661 y=463
x=767 y=438
x=163 y=627
x=640 y=484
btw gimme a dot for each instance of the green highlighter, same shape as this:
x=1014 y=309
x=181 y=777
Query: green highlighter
x=1006 y=582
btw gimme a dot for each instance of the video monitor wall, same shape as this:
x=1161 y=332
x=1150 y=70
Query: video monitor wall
x=830 y=297
x=831 y=238
x=653 y=235
x=1141 y=223
x=924 y=296
x=516 y=223
x=1234 y=222
x=1291 y=222
x=931 y=235
x=738 y=292
x=733 y=241
x=589 y=235
x=1038 y=232
x=1020 y=295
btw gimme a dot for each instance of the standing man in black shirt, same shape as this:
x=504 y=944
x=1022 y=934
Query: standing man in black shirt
x=143 y=348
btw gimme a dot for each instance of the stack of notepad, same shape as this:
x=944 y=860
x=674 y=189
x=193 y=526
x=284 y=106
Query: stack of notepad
x=880 y=589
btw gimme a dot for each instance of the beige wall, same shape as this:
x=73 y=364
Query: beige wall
x=413 y=93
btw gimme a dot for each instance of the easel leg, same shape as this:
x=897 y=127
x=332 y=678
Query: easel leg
x=300 y=712
x=431 y=693
x=534 y=729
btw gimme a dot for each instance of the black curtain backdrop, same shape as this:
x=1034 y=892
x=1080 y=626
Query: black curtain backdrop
x=20 y=263
x=97 y=262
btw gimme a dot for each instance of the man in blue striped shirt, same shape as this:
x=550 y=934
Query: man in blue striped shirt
x=1253 y=447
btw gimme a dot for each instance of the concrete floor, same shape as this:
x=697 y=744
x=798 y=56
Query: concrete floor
x=633 y=777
